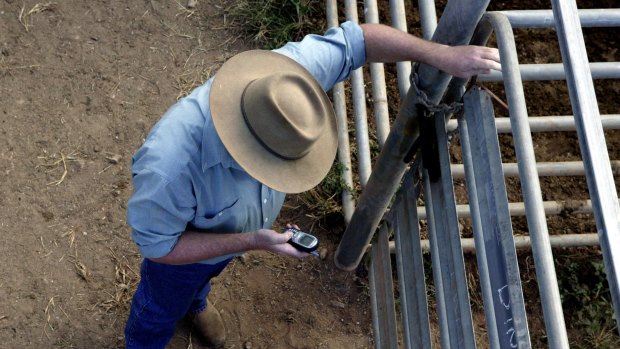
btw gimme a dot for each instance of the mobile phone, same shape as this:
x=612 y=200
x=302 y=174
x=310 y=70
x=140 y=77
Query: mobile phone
x=304 y=241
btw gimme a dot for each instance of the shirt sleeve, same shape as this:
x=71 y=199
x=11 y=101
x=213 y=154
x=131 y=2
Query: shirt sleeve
x=158 y=212
x=331 y=57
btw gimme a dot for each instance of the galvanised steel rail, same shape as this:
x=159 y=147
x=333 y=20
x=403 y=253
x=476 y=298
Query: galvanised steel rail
x=591 y=140
x=379 y=92
x=555 y=71
x=519 y=209
x=608 y=17
x=497 y=259
x=403 y=69
x=359 y=108
x=340 y=109
x=556 y=169
x=522 y=242
x=549 y=123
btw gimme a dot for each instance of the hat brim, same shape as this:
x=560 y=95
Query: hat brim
x=288 y=176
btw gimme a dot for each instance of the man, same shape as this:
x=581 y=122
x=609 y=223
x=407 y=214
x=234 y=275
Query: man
x=211 y=177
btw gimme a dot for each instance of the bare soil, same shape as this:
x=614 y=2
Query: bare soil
x=81 y=84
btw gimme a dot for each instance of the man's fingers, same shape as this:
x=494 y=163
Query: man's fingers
x=492 y=65
x=491 y=53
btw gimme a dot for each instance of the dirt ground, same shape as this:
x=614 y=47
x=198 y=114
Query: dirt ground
x=81 y=83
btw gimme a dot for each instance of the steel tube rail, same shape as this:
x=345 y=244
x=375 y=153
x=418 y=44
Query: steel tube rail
x=492 y=224
x=530 y=184
x=549 y=123
x=545 y=169
x=377 y=76
x=428 y=18
x=609 y=17
x=555 y=71
x=436 y=262
x=403 y=69
x=410 y=264
x=340 y=108
x=392 y=163
x=591 y=140
x=523 y=242
x=483 y=267
x=519 y=209
x=382 y=293
x=450 y=263
x=359 y=108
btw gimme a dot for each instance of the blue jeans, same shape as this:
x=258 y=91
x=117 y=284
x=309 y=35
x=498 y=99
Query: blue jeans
x=166 y=293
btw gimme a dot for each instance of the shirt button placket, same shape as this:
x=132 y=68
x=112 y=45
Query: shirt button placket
x=264 y=209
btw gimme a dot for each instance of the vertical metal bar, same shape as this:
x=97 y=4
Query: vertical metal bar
x=359 y=108
x=392 y=161
x=377 y=76
x=410 y=265
x=530 y=184
x=591 y=140
x=452 y=267
x=483 y=269
x=428 y=18
x=493 y=230
x=436 y=263
x=403 y=69
x=382 y=293
x=340 y=107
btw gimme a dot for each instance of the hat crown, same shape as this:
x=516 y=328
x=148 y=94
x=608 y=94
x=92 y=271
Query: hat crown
x=285 y=113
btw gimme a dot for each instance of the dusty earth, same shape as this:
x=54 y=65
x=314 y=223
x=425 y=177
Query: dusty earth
x=81 y=83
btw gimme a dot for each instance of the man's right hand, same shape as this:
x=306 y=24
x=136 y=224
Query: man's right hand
x=271 y=240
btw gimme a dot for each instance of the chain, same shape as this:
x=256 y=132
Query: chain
x=432 y=108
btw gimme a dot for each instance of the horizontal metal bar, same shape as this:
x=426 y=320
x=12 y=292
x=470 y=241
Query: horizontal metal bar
x=555 y=71
x=548 y=123
x=523 y=242
x=545 y=169
x=517 y=209
x=608 y=17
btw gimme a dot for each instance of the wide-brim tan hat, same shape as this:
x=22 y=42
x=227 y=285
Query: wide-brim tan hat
x=275 y=120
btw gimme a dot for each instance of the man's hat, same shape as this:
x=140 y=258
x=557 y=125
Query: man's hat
x=275 y=120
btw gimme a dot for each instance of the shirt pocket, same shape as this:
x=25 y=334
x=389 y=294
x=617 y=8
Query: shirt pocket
x=227 y=220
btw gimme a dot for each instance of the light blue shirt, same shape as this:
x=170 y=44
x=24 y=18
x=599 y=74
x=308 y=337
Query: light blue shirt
x=184 y=178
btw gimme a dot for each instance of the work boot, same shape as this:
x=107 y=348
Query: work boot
x=210 y=326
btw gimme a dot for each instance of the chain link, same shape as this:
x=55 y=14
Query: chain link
x=433 y=108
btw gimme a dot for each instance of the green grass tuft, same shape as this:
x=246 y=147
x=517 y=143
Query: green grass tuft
x=272 y=23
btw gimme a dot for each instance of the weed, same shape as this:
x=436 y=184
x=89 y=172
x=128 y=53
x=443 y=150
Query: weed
x=272 y=23
x=586 y=300
x=324 y=199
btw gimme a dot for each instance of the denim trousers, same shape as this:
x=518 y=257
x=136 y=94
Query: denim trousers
x=165 y=294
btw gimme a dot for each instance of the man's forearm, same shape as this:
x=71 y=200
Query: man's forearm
x=388 y=45
x=193 y=247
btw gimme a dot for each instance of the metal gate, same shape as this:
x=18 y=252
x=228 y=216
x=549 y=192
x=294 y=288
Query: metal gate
x=415 y=159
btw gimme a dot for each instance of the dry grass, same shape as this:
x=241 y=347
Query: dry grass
x=125 y=283
x=51 y=312
x=190 y=79
x=52 y=162
x=25 y=17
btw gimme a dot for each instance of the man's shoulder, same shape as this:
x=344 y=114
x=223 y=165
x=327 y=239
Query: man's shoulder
x=175 y=141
